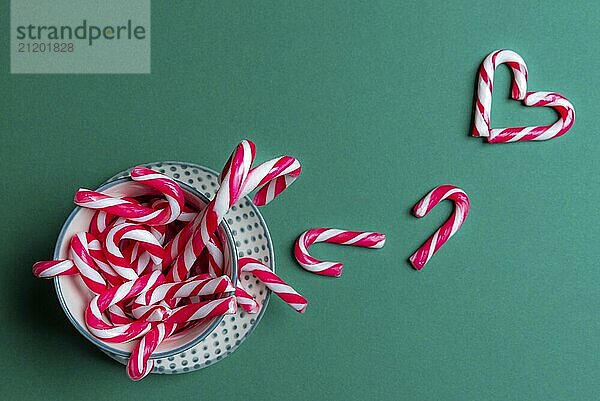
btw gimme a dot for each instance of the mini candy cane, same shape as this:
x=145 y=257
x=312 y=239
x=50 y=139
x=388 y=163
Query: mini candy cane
x=448 y=229
x=132 y=210
x=539 y=133
x=81 y=262
x=165 y=185
x=97 y=324
x=274 y=283
x=333 y=235
x=483 y=105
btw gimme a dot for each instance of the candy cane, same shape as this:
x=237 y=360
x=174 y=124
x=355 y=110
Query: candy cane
x=483 y=105
x=335 y=236
x=274 y=283
x=233 y=176
x=216 y=259
x=139 y=364
x=539 y=133
x=272 y=177
x=202 y=310
x=107 y=331
x=133 y=210
x=194 y=286
x=448 y=229
x=142 y=260
x=54 y=268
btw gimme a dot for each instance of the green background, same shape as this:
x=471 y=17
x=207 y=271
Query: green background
x=375 y=99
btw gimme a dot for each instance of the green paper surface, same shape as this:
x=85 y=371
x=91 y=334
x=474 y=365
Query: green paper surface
x=375 y=99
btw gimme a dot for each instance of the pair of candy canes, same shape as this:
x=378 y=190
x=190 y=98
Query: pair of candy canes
x=481 y=128
x=377 y=240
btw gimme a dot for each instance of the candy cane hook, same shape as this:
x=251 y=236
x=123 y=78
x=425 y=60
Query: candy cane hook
x=335 y=236
x=448 y=229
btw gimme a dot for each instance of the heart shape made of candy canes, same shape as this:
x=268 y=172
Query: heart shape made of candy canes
x=483 y=103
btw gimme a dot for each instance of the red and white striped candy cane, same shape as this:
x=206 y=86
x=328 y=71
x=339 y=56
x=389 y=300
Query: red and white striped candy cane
x=274 y=283
x=272 y=177
x=202 y=310
x=132 y=210
x=165 y=185
x=333 y=235
x=483 y=104
x=125 y=208
x=109 y=332
x=53 y=268
x=139 y=364
x=232 y=178
x=134 y=232
x=539 y=133
x=81 y=263
x=448 y=229
x=186 y=313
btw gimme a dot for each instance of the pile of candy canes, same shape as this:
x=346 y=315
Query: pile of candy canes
x=156 y=265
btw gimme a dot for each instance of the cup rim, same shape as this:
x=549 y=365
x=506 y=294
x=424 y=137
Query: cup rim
x=106 y=346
